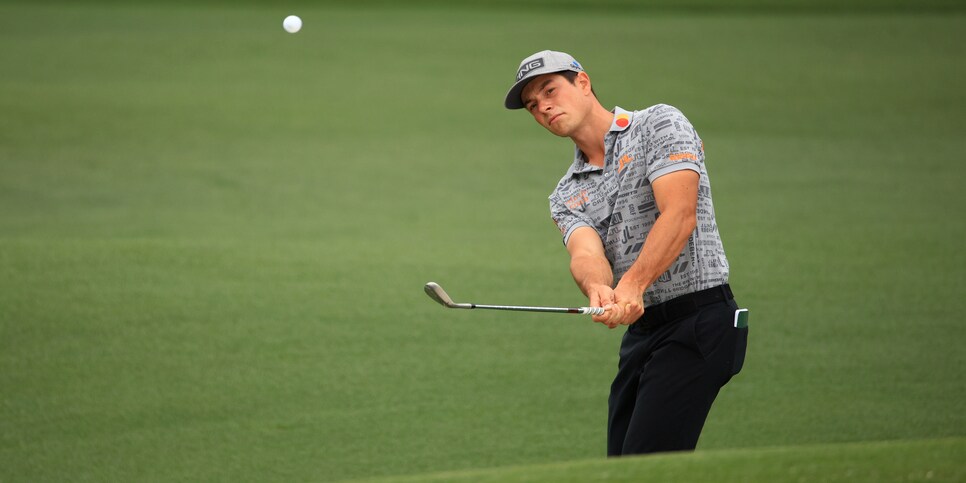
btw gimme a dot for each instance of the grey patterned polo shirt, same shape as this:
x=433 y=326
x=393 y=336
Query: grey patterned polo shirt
x=618 y=202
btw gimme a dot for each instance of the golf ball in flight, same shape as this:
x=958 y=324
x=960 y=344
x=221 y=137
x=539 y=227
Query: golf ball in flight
x=292 y=24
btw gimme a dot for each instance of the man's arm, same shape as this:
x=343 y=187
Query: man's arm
x=591 y=270
x=676 y=195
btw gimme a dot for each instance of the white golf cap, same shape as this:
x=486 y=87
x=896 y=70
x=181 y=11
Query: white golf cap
x=544 y=62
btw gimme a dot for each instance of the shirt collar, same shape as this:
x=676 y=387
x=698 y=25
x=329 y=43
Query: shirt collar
x=580 y=164
x=622 y=120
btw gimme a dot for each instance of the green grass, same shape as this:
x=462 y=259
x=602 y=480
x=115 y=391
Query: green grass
x=884 y=461
x=214 y=236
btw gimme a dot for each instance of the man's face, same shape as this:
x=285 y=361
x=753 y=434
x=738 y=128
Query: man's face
x=556 y=104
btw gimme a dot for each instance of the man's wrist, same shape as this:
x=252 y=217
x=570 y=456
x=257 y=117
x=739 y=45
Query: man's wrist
x=631 y=280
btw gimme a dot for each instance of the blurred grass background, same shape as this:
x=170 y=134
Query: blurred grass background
x=214 y=234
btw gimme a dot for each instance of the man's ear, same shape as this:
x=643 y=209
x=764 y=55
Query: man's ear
x=583 y=82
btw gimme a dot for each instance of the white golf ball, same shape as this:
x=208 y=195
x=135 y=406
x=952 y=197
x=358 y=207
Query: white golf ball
x=292 y=24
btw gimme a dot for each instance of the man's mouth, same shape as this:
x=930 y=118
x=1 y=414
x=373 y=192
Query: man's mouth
x=554 y=118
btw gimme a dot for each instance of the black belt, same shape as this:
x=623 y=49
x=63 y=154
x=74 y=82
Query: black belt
x=680 y=307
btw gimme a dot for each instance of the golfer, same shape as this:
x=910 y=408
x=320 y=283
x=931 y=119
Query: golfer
x=636 y=216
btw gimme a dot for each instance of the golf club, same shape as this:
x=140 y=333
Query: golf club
x=437 y=293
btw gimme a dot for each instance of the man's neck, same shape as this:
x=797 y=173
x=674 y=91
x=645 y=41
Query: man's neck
x=590 y=137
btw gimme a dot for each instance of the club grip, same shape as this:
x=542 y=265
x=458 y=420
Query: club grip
x=593 y=310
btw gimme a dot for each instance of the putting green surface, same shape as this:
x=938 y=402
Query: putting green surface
x=214 y=237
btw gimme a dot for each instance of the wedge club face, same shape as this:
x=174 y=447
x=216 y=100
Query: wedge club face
x=437 y=293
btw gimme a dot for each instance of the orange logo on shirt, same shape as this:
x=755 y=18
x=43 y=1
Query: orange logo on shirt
x=622 y=120
x=625 y=159
x=680 y=156
x=576 y=201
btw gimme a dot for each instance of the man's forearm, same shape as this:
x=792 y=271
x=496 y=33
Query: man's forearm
x=663 y=245
x=591 y=270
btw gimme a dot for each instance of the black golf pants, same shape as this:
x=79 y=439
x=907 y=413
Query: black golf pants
x=669 y=376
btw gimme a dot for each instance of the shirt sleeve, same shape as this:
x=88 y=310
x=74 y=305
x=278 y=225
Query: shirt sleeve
x=673 y=143
x=566 y=220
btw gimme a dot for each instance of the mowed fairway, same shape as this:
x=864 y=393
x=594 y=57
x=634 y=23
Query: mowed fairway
x=214 y=237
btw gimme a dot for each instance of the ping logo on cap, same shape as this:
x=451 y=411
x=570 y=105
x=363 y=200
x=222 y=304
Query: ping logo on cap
x=526 y=68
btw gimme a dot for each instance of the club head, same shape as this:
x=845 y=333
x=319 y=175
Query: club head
x=437 y=293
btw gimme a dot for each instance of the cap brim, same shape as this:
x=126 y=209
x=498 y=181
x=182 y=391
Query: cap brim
x=513 y=100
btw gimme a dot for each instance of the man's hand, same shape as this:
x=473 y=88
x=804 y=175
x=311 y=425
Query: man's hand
x=592 y=272
x=603 y=296
x=629 y=296
x=622 y=306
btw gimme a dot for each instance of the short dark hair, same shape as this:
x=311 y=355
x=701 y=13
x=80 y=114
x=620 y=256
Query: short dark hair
x=571 y=76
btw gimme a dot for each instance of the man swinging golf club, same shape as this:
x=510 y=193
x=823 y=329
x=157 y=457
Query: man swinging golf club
x=635 y=209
